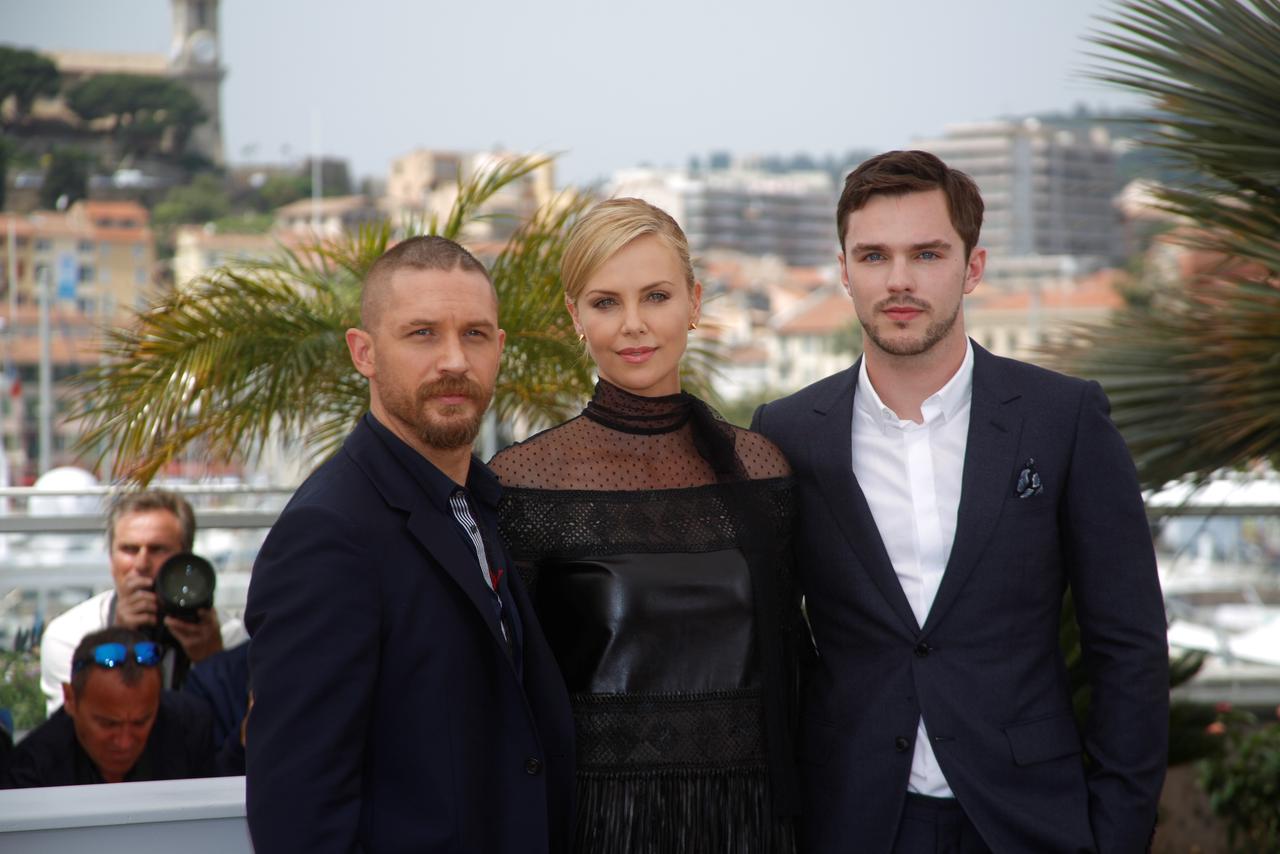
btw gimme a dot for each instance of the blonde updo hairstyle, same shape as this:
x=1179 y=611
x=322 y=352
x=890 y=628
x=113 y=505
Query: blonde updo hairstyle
x=607 y=228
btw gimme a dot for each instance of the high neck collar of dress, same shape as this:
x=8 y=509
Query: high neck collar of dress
x=632 y=413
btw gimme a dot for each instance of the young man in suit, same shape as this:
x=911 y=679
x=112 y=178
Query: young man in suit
x=947 y=499
x=404 y=697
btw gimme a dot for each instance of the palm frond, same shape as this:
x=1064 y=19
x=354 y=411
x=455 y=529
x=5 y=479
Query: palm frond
x=1194 y=380
x=254 y=351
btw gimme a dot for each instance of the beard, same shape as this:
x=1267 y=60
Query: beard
x=933 y=333
x=445 y=428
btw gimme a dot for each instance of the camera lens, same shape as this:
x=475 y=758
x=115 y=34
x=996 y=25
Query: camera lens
x=185 y=584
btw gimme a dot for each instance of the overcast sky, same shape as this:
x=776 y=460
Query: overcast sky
x=610 y=84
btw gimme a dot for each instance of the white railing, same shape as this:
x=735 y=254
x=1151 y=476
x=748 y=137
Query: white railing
x=189 y=816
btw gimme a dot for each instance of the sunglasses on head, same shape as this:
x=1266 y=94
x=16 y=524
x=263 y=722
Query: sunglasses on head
x=109 y=655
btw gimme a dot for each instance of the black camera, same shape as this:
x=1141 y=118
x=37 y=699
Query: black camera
x=183 y=586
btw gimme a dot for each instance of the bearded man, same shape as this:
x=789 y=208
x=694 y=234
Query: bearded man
x=404 y=697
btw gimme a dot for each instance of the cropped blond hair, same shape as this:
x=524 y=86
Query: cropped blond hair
x=607 y=228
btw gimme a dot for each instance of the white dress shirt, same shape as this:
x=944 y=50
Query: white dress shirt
x=910 y=474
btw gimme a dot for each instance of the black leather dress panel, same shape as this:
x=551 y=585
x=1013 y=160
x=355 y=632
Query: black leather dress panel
x=650 y=623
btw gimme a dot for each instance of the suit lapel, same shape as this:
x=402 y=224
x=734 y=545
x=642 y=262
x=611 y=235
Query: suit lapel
x=437 y=533
x=832 y=454
x=439 y=536
x=994 y=429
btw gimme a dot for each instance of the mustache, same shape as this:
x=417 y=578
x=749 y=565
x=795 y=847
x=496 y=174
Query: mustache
x=902 y=302
x=450 y=386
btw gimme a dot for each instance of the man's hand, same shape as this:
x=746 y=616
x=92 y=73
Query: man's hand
x=199 y=640
x=135 y=602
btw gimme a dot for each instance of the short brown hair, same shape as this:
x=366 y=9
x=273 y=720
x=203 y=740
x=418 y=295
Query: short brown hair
x=896 y=173
x=607 y=228
x=149 y=501
x=426 y=252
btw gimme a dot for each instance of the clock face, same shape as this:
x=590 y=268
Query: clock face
x=202 y=47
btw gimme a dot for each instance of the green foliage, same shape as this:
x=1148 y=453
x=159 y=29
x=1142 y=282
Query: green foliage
x=203 y=200
x=1243 y=784
x=143 y=109
x=20 y=688
x=7 y=149
x=26 y=75
x=742 y=410
x=257 y=350
x=1192 y=371
x=280 y=190
x=244 y=223
x=67 y=174
x=848 y=341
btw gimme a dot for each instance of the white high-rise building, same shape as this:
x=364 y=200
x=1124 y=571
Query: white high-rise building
x=790 y=215
x=1049 y=192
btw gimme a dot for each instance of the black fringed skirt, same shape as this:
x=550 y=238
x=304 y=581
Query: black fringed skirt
x=673 y=774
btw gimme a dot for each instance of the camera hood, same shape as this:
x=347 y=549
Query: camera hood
x=185 y=584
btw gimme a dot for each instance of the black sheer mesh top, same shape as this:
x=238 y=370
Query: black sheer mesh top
x=623 y=442
x=655 y=540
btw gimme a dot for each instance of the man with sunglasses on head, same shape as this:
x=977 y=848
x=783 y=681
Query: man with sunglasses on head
x=116 y=724
x=144 y=529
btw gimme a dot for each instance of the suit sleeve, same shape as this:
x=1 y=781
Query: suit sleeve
x=195 y=720
x=313 y=614
x=22 y=770
x=757 y=420
x=1120 y=610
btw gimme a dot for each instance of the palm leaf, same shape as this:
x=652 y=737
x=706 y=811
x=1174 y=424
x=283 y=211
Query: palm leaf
x=254 y=351
x=1194 y=379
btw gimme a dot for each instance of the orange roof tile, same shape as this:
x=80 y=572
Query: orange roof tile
x=823 y=314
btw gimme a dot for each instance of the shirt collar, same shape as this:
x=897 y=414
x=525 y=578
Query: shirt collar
x=946 y=402
x=482 y=483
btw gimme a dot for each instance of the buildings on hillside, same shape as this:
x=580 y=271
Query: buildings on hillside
x=94 y=262
x=97 y=257
x=194 y=59
x=1050 y=193
x=782 y=329
x=789 y=215
x=424 y=184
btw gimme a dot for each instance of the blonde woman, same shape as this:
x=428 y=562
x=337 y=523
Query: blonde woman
x=654 y=535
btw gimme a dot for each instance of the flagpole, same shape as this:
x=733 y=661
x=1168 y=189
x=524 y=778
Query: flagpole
x=45 y=407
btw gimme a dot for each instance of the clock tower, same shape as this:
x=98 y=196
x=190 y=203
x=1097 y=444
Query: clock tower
x=194 y=60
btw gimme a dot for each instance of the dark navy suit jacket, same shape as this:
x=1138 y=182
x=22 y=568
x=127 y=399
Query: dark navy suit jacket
x=387 y=713
x=985 y=668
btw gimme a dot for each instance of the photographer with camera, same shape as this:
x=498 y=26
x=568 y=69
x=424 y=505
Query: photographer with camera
x=144 y=529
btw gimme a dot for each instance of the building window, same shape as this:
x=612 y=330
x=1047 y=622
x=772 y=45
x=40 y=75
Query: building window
x=85 y=246
x=42 y=245
x=86 y=273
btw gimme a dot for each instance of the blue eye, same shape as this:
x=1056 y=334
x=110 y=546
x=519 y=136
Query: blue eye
x=928 y=255
x=604 y=302
x=873 y=256
x=658 y=296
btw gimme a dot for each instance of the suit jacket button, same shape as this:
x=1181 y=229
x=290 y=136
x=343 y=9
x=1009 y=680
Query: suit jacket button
x=532 y=766
x=901 y=744
x=922 y=649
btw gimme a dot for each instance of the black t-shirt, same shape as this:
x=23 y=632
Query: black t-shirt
x=180 y=746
